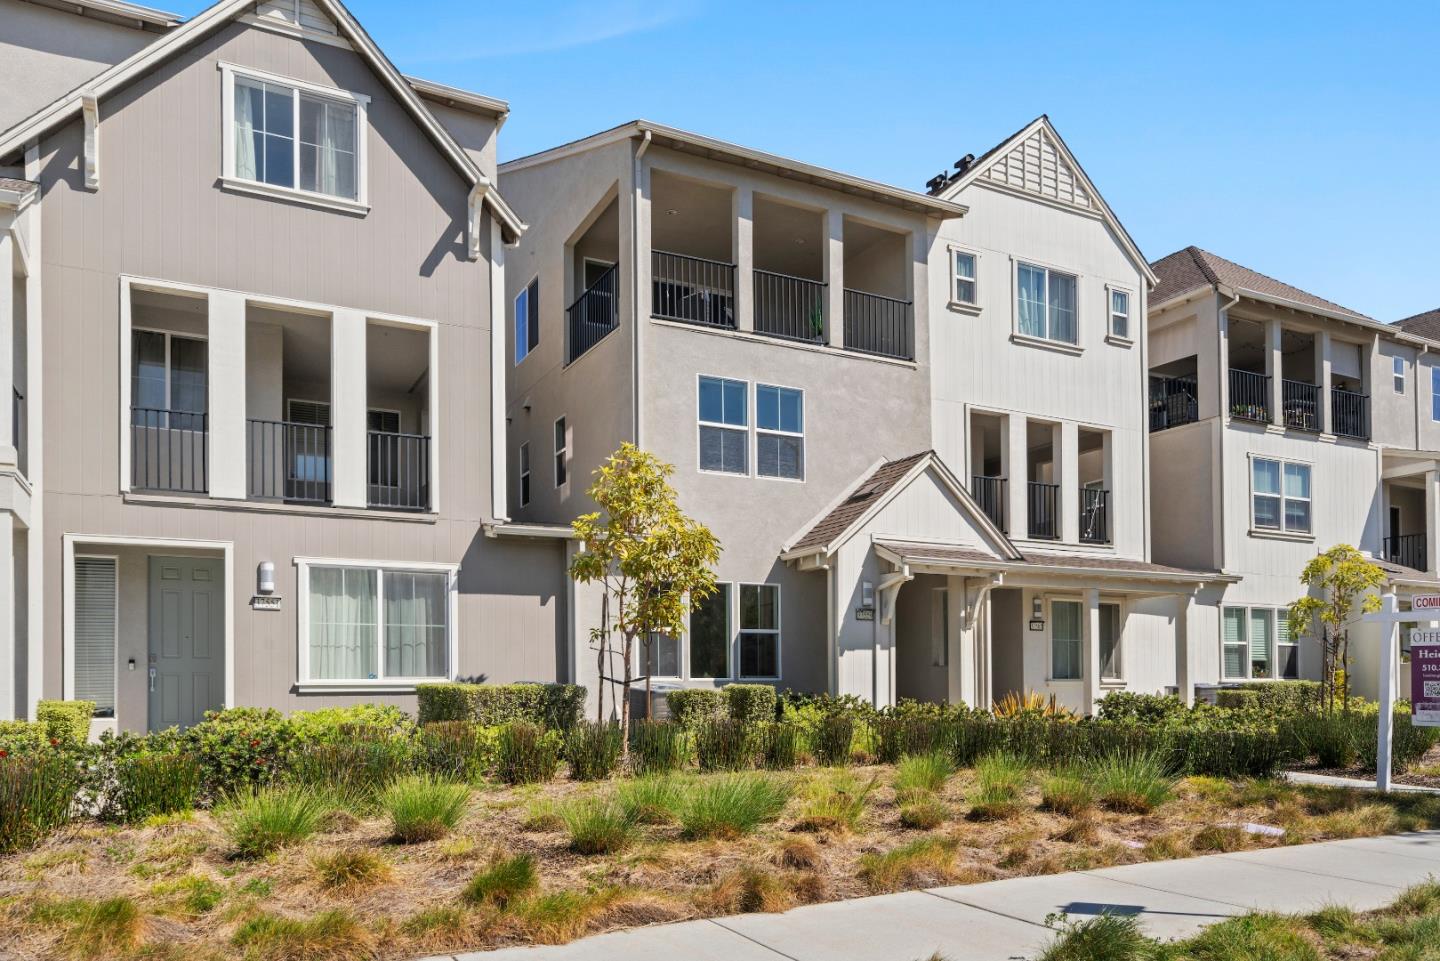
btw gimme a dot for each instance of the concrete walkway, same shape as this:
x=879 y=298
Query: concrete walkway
x=1005 y=920
x=1359 y=784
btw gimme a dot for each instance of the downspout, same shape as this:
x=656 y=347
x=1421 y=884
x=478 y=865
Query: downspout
x=637 y=355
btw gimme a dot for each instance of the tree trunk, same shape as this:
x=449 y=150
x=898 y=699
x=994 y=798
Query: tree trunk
x=625 y=701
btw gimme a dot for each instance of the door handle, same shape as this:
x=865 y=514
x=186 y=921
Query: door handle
x=152 y=680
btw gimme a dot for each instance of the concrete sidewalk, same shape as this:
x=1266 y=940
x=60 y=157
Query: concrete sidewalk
x=1005 y=920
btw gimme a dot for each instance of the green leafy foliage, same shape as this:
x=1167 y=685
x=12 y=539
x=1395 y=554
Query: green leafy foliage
x=751 y=704
x=66 y=720
x=694 y=708
x=555 y=706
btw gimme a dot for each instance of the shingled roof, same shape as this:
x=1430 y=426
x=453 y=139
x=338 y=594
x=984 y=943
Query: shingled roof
x=848 y=511
x=1422 y=325
x=1193 y=268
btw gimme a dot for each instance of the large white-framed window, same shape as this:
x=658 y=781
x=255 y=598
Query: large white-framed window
x=523 y=462
x=527 y=320
x=294 y=138
x=1256 y=645
x=169 y=379
x=1112 y=667
x=1280 y=495
x=779 y=432
x=1119 y=312
x=97 y=619
x=1435 y=394
x=964 y=278
x=1045 y=303
x=759 y=631
x=703 y=652
x=724 y=425
x=1066 y=640
x=375 y=623
x=562 y=453
x=1397 y=374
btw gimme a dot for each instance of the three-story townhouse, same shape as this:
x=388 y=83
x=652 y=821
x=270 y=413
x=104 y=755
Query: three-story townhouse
x=249 y=339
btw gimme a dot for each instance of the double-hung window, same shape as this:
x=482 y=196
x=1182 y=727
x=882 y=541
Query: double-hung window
x=1065 y=641
x=1045 y=303
x=169 y=380
x=562 y=454
x=759 y=630
x=524 y=464
x=779 y=432
x=1120 y=314
x=1280 y=495
x=1257 y=645
x=1435 y=393
x=371 y=624
x=966 y=289
x=294 y=137
x=527 y=320
x=724 y=426
x=1397 y=376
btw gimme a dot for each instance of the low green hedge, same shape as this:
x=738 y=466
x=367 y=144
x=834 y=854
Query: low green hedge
x=66 y=720
x=1279 y=698
x=751 y=703
x=693 y=708
x=556 y=706
x=22 y=737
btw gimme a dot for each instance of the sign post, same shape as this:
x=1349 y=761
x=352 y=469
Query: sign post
x=1390 y=641
x=1425 y=698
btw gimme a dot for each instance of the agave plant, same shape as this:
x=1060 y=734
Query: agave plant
x=1031 y=703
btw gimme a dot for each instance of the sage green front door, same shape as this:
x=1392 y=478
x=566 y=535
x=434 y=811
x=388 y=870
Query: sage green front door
x=187 y=639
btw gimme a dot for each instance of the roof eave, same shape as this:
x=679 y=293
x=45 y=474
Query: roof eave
x=18 y=199
x=460 y=99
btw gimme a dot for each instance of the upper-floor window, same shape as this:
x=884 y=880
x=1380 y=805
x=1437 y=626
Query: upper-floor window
x=169 y=377
x=1280 y=495
x=1397 y=366
x=294 y=137
x=1045 y=303
x=1120 y=314
x=1435 y=393
x=966 y=290
x=524 y=465
x=779 y=432
x=527 y=320
x=562 y=454
x=724 y=426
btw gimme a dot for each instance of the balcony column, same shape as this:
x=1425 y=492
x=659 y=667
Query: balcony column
x=1184 y=668
x=742 y=242
x=348 y=403
x=1323 y=347
x=1066 y=450
x=960 y=674
x=1014 y=467
x=835 y=277
x=226 y=350
x=1275 y=370
x=1090 y=646
x=1432 y=528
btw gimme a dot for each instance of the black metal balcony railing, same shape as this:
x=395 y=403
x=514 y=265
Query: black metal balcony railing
x=1044 y=510
x=1407 y=550
x=789 y=307
x=169 y=450
x=1301 y=405
x=593 y=315
x=692 y=289
x=878 y=325
x=990 y=493
x=1349 y=413
x=399 y=471
x=1094 y=515
x=1173 y=401
x=289 y=462
x=1250 y=396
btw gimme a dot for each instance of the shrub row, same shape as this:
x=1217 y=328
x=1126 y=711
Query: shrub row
x=555 y=706
x=693 y=708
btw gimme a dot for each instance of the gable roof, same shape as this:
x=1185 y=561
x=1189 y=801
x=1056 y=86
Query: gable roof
x=1425 y=325
x=1036 y=162
x=874 y=491
x=217 y=16
x=1193 y=268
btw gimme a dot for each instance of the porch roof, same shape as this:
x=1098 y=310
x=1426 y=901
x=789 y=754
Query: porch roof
x=1402 y=576
x=957 y=557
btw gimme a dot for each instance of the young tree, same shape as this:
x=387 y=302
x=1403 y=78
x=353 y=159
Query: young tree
x=1338 y=581
x=653 y=561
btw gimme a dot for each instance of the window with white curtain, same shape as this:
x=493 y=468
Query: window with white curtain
x=1280 y=495
x=377 y=624
x=1045 y=303
x=295 y=136
x=1257 y=645
x=1120 y=314
x=966 y=287
x=1065 y=641
x=95 y=629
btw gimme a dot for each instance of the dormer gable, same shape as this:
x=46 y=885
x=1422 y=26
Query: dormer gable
x=1038 y=166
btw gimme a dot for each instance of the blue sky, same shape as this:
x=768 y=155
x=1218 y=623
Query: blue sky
x=1297 y=139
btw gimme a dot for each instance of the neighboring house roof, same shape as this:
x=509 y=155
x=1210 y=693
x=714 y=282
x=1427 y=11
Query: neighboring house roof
x=217 y=16
x=1425 y=325
x=1035 y=162
x=1193 y=268
x=117 y=11
x=684 y=141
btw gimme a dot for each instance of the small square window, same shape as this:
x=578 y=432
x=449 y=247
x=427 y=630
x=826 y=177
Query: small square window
x=1120 y=314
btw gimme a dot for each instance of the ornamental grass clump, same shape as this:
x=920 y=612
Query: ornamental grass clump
x=732 y=805
x=999 y=787
x=528 y=754
x=593 y=750
x=503 y=882
x=597 y=825
x=350 y=869
x=109 y=928
x=924 y=813
x=833 y=803
x=147 y=785
x=1131 y=782
x=423 y=808
x=1066 y=792
x=268 y=819
x=333 y=935
x=918 y=775
x=658 y=747
x=724 y=745
x=36 y=795
x=355 y=772
x=651 y=800
x=925 y=861
x=1106 y=937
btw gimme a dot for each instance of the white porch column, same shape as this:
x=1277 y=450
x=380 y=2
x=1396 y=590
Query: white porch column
x=1432 y=522
x=1275 y=370
x=1066 y=449
x=1014 y=467
x=227 y=441
x=1323 y=354
x=1184 y=664
x=348 y=403
x=1090 y=645
x=960 y=680
x=8 y=641
x=743 y=244
x=835 y=277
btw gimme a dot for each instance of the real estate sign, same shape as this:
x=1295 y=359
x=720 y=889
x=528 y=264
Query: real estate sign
x=1425 y=678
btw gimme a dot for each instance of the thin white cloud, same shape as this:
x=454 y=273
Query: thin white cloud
x=547 y=27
